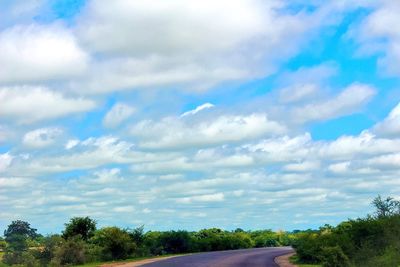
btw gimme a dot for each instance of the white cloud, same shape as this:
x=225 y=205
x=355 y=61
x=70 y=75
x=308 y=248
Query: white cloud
x=117 y=114
x=350 y=100
x=197 y=109
x=124 y=209
x=7 y=182
x=40 y=138
x=39 y=53
x=29 y=104
x=218 y=197
x=174 y=133
x=390 y=126
x=297 y=93
x=378 y=34
x=5 y=161
x=305 y=166
x=181 y=47
x=71 y=144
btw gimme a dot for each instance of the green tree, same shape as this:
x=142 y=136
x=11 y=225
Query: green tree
x=386 y=207
x=16 y=236
x=84 y=227
x=115 y=243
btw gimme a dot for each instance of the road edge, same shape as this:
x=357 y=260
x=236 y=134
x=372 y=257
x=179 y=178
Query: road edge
x=138 y=263
x=283 y=260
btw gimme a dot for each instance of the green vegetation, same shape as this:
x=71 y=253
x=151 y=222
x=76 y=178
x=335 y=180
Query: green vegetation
x=295 y=260
x=369 y=242
x=82 y=244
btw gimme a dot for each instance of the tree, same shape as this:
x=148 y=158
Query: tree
x=20 y=228
x=176 y=242
x=137 y=235
x=80 y=226
x=16 y=236
x=386 y=207
x=115 y=243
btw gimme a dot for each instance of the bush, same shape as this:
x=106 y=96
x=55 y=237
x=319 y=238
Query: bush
x=334 y=257
x=12 y=258
x=71 y=252
x=114 y=242
x=175 y=242
x=50 y=245
x=152 y=243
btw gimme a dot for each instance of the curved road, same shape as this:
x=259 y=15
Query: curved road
x=259 y=257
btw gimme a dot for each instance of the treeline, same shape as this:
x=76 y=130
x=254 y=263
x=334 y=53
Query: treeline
x=82 y=242
x=373 y=241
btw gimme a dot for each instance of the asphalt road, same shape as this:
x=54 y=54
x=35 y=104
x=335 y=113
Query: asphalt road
x=259 y=257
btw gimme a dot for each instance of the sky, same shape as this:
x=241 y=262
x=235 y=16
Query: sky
x=259 y=114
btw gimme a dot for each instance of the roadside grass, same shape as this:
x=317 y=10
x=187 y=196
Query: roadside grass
x=96 y=264
x=1 y=259
x=295 y=260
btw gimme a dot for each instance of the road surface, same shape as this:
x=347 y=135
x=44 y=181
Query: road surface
x=259 y=257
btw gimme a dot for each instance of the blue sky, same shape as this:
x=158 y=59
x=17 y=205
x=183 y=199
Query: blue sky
x=187 y=115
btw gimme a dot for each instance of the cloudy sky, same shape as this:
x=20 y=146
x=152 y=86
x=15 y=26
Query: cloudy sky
x=191 y=114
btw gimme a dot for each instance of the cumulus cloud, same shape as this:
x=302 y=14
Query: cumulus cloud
x=28 y=104
x=5 y=161
x=13 y=182
x=173 y=132
x=349 y=100
x=218 y=197
x=181 y=47
x=390 y=126
x=377 y=35
x=40 y=138
x=39 y=53
x=117 y=114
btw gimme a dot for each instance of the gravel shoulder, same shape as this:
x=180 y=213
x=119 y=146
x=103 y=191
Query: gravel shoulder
x=283 y=261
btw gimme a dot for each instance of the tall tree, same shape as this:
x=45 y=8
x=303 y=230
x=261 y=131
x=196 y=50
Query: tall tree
x=386 y=207
x=80 y=226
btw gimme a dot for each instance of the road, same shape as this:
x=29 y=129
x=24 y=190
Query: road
x=259 y=257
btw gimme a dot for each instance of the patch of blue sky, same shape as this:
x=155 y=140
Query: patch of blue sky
x=347 y=125
x=67 y=9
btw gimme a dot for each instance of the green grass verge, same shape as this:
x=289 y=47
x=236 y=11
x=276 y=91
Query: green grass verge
x=1 y=260
x=295 y=260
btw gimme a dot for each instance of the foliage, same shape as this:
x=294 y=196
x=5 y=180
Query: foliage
x=81 y=226
x=175 y=242
x=334 y=257
x=114 y=242
x=19 y=228
x=371 y=241
x=70 y=252
x=50 y=246
x=386 y=207
x=16 y=236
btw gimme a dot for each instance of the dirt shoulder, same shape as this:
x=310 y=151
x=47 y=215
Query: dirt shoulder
x=283 y=261
x=136 y=263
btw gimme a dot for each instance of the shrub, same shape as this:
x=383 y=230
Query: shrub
x=71 y=252
x=115 y=243
x=176 y=242
x=50 y=245
x=334 y=257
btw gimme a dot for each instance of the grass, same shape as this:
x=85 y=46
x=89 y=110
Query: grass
x=96 y=264
x=295 y=260
x=1 y=259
